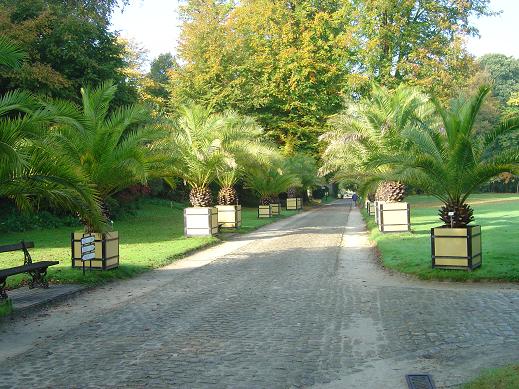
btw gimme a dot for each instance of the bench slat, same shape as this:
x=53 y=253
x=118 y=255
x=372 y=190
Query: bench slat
x=15 y=247
x=25 y=268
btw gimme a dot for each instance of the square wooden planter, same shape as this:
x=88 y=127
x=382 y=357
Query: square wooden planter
x=106 y=251
x=394 y=217
x=456 y=248
x=200 y=221
x=264 y=211
x=377 y=211
x=294 y=204
x=229 y=216
x=276 y=209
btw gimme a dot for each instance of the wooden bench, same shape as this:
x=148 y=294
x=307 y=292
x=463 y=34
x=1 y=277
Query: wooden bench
x=37 y=270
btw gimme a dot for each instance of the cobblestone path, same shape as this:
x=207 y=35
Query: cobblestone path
x=300 y=303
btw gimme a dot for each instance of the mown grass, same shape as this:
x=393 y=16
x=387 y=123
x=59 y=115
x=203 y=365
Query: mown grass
x=498 y=214
x=150 y=238
x=503 y=378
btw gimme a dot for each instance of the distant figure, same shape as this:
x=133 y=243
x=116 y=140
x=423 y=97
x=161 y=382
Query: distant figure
x=355 y=198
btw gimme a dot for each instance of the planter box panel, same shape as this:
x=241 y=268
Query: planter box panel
x=276 y=209
x=264 y=211
x=294 y=204
x=229 y=216
x=106 y=251
x=456 y=248
x=394 y=217
x=200 y=221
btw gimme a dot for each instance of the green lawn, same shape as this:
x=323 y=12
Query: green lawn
x=498 y=214
x=150 y=238
x=503 y=378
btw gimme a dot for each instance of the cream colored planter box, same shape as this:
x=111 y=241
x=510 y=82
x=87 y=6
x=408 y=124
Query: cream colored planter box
x=200 y=221
x=294 y=204
x=456 y=248
x=394 y=217
x=264 y=211
x=377 y=211
x=276 y=209
x=229 y=216
x=106 y=251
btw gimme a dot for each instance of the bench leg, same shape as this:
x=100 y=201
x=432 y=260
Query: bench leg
x=38 y=279
x=3 y=293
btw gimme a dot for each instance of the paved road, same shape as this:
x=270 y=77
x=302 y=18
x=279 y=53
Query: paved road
x=300 y=303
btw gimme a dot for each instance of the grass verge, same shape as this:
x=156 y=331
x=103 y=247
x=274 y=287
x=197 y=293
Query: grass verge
x=498 y=214
x=151 y=238
x=502 y=378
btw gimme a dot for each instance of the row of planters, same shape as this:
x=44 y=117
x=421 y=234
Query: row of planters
x=405 y=137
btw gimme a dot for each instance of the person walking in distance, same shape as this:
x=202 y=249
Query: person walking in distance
x=355 y=198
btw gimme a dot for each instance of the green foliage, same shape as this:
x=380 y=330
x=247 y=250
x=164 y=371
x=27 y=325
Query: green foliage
x=204 y=146
x=451 y=161
x=304 y=167
x=289 y=64
x=282 y=63
x=31 y=167
x=268 y=182
x=416 y=41
x=10 y=54
x=68 y=45
x=504 y=72
x=109 y=148
x=13 y=221
x=369 y=127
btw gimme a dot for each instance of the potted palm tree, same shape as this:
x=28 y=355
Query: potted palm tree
x=268 y=182
x=111 y=149
x=31 y=167
x=451 y=161
x=366 y=129
x=242 y=148
x=195 y=147
x=229 y=210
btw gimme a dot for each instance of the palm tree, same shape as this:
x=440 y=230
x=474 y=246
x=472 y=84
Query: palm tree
x=368 y=127
x=452 y=160
x=304 y=167
x=112 y=149
x=205 y=147
x=243 y=149
x=194 y=149
x=31 y=168
x=11 y=54
x=268 y=182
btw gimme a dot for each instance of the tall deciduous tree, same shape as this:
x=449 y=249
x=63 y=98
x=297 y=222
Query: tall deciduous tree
x=289 y=63
x=283 y=62
x=417 y=41
x=68 y=44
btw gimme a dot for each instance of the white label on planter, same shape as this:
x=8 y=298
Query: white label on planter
x=87 y=240
x=87 y=249
x=88 y=257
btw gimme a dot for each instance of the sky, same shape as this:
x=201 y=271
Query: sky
x=155 y=26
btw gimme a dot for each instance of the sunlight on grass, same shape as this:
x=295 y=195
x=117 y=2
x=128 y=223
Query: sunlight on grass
x=151 y=238
x=498 y=214
x=503 y=378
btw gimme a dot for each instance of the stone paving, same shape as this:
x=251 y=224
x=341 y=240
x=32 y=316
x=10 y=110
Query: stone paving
x=302 y=304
